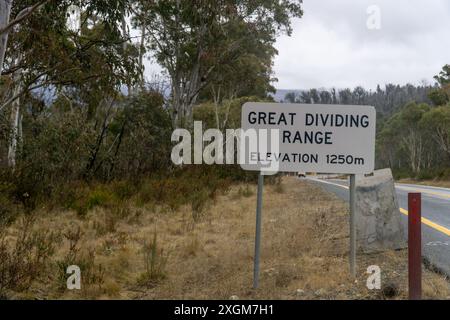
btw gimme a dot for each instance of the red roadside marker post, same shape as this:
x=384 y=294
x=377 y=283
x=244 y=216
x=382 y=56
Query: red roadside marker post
x=414 y=246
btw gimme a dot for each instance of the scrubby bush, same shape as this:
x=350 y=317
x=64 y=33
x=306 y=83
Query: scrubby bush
x=155 y=260
x=80 y=159
x=93 y=273
x=24 y=258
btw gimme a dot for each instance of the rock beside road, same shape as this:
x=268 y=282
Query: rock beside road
x=378 y=224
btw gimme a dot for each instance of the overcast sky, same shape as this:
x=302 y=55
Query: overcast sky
x=332 y=46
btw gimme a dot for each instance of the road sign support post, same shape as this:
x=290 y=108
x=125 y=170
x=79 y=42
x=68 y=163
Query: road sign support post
x=258 y=231
x=352 y=202
x=414 y=246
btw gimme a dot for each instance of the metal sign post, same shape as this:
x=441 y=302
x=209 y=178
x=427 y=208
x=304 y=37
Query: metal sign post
x=352 y=255
x=258 y=231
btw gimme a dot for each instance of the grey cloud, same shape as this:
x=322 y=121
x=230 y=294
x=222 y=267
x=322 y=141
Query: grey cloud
x=331 y=45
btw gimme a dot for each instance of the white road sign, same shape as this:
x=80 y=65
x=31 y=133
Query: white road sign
x=308 y=137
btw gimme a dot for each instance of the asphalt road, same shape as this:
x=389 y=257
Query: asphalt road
x=435 y=217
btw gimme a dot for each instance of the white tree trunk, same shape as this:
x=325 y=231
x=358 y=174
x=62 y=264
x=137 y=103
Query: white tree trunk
x=141 y=54
x=16 y=120
x=5 y=12
x=125 y=36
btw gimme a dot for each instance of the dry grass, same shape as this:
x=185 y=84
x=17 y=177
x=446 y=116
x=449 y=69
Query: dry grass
x=154 y=253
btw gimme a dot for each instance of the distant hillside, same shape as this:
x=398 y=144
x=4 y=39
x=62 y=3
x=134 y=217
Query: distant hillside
x=386 y=100
x=281 y=93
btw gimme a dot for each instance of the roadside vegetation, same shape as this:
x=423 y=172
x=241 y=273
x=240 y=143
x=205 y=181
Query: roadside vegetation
x=86 y=176
x=148 y=250
x=413 y=124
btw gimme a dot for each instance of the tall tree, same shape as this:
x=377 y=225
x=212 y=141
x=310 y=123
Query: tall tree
x=5 y=12
x=437 y=122
x=405 y=128
x=314 y=93
x=443 y=77
x=192 y=39
x=441 y=95
x=325 y=97
x=345 y=96
x=43 y=54
x=6 y=25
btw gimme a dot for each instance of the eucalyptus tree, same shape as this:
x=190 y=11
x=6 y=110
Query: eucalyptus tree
x=410 y=139
x=443 y=77
x=44 y=54
x=441 y=95
x=247 y=72
x=437 y=122
x=6 y=25
x=193 y=39
x=5 y=12
x=325 y=97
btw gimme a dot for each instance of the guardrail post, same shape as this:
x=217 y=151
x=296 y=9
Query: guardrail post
x=414 y=246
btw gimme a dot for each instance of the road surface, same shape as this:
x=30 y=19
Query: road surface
x=435 y=217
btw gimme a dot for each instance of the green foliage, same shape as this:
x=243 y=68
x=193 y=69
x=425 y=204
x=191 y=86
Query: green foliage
x=87 y=66
x=192 y=185
x=443 y=77
x=223 y=49
x=98 y=197
x=198 y=200
x=123 y=189
x=387 y=100
x=155 y=260
x=439 y=97
x=246 y=191
x=8 y=210
x=78 y=132
x=144 y=125
x=415 y=142
x=127 y=139
x=110 y=196
x=405 y=142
